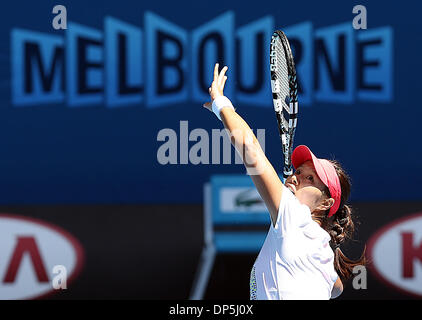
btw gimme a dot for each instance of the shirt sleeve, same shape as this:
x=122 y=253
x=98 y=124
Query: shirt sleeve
x=291 y=214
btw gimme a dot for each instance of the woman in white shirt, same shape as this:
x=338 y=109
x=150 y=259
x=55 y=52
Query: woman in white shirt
x=300 y=258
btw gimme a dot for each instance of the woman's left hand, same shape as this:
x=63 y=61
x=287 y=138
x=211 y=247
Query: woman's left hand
x=217 y=86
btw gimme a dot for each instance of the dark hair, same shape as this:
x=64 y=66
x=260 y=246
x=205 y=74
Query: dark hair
x=341 y=227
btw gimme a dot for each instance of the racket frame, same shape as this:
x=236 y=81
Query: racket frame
x=287 y=128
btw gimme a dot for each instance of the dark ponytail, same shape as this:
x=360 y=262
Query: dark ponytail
x=341 y=231
x=341 y=227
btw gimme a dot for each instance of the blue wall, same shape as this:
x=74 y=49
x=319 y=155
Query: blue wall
x=61 y=146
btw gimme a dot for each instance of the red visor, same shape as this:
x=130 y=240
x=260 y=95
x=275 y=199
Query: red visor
x=325 y=171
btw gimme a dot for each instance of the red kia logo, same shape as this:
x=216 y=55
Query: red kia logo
x=31 y=252
x=395 y=252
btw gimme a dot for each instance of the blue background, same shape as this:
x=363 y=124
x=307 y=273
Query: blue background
x=53 y=153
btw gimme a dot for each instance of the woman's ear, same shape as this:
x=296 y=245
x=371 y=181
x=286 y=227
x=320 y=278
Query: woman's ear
x=325 y=204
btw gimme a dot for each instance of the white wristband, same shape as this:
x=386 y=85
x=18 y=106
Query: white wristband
x=219 y=103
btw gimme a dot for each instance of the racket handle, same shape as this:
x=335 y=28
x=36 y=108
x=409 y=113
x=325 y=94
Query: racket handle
x=287 y=173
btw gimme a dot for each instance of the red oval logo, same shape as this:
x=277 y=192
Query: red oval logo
x=396 y=254
x=38 y=258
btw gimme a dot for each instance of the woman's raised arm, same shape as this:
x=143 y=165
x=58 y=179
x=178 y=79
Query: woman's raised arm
x=265 y=178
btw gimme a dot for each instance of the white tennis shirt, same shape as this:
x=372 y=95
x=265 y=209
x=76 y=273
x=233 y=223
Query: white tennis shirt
x=296 y=261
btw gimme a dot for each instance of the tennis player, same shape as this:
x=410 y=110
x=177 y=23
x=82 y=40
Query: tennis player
x=300 y=258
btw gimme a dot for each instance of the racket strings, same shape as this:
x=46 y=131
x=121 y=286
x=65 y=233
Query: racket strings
x=284 y=85
x=282 y=73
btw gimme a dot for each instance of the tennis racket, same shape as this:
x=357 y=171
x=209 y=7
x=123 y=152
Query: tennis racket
x=284 y=89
